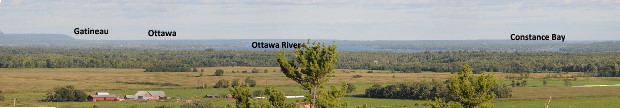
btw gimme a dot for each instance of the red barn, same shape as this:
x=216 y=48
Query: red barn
x=104 y=96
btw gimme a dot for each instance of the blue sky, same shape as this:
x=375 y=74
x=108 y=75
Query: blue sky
x=316 y=19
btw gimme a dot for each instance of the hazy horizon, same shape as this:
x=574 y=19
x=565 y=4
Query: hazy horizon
x=77 y=38
x=334 y=20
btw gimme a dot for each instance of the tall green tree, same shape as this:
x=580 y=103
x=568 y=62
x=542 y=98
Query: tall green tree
x=314 y=61
x=330 y=98
x=241 y=94
x=277 y=98
x=67 y=93
x=471 y=91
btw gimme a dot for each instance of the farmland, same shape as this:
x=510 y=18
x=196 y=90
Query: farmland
x=29 y=85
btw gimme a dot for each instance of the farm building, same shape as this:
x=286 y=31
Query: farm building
x=103 y=96
x=147 y=95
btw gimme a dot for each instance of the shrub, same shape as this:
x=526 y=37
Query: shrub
x=375 y=91
x=250 y=82
x=351 y=88
x=219 y=72
x=169 y=84
x=67 y=93
x=235 y=83
x=254 y=70
x=357 y=76
x=502 y=91
x=223 y=83
x=519 y=83
x=1 y=96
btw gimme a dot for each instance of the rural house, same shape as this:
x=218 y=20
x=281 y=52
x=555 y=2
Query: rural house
x=147 y=95
x=104 y=96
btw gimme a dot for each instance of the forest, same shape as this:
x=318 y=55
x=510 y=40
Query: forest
x=434 y=61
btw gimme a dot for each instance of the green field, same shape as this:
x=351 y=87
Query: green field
x=30 y=85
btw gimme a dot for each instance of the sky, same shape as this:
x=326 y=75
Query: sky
x=315 y=19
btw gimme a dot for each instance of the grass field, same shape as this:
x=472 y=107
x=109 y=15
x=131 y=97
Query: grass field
x=29 y=85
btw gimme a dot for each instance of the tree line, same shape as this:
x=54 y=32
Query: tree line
x=427 y=90
x=435 y=61
x=608 y=46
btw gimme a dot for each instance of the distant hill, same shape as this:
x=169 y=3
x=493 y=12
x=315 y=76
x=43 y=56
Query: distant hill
x=35 y=37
